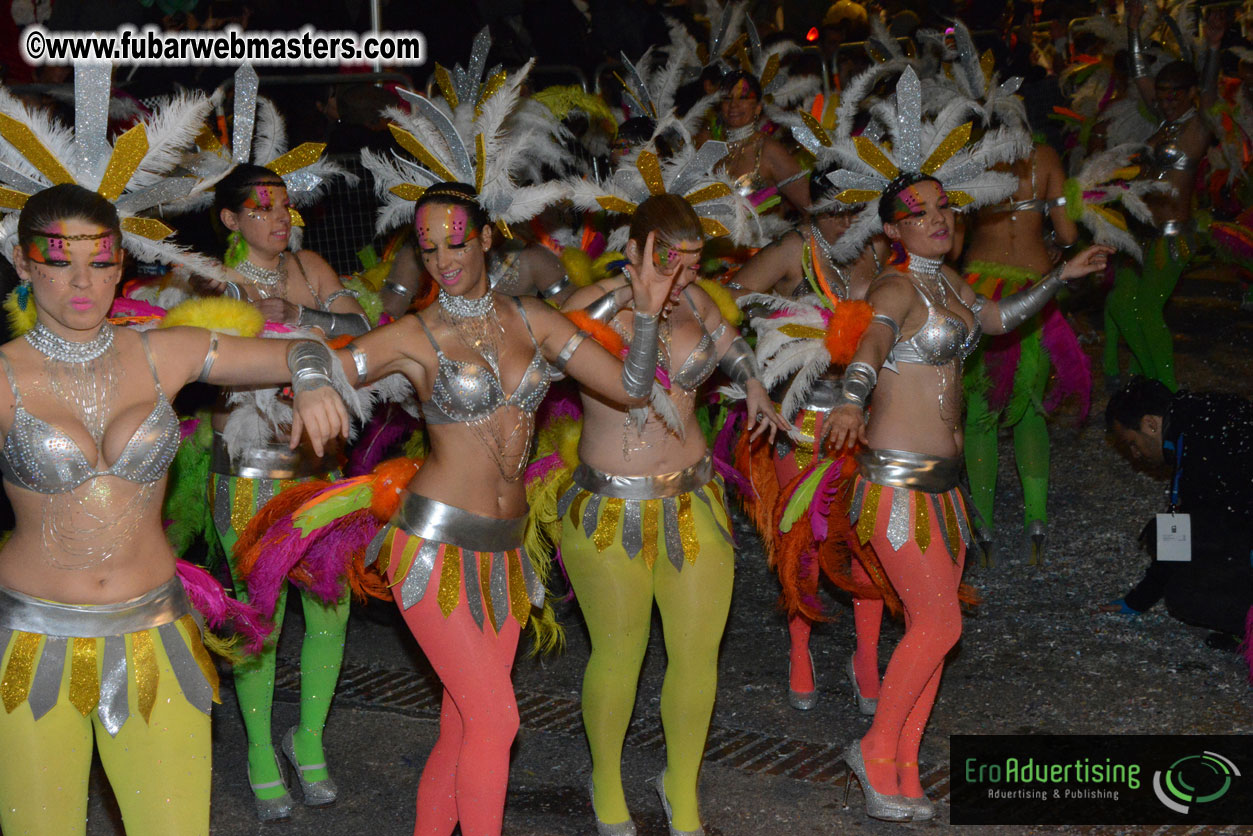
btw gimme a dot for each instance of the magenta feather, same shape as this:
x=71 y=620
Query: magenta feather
x=562 y=402
x=281 y=548
x=809 y=597
x=330 y=551
x=187 y=428
x=542 y=467
x=824 y=496
x=209 y=599
x=1074 y=370
x=385 y=429
x=1000 y=360
x=724 y=451
x=1236 y=239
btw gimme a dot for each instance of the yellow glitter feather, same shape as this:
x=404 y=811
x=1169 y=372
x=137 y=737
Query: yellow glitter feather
x=959 y=198
x=951 y=144
x=771 y=70
x=1111 y=215
x=869 y=516
x=485 y=586
x=711 y=192
x=687 y=529
x=410 y=143
x=450 y=580
x=805 y=452
x=490 y=88
x=198 y=652
x=815 y=128
x=873 y=156
x=446 y=89
x=713 y=228
x=802 y=332
x=857 y=195
x=950 y=523
x=20 y=671
x=607 y=527
x=650 y=517
x=610 y=203
x=128 y=152
x=480 y=161
x=84 y=676
x=304 y=154
x=11 y=199
x=242 y=507
x=408 y=191
x=650 y=169
x=296 y=218
x=149 y=228
x=407 y=551
x=922 y=521
x=519 y=602
x=144 y=670
x=24 y=140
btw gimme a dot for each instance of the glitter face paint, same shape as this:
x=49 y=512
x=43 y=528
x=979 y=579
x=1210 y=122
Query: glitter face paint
x=909 y=203
x=105 y=251
x=263 y=198
x=52 y=247
x=741 y=91
x=444 y=223
x=667 y=256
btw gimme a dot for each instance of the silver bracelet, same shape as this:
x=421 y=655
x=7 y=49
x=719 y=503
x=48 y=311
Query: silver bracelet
x=1017 y=308
x=977 y=306
x=739 y=363
x=360 y=361
x=339 y=294
x=641 y=361
x=605 y=308
x=859 y=381
x=397 y=288
x=567 y=350
x=210 y=357
x=310 y=364
x=333 y=324
x=884 y=319
x=556 y=288
x=230 y=290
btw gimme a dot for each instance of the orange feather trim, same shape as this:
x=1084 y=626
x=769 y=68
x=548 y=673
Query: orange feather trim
x=608 y=338
x=246 y=551
x=756 y=461
x=390 y=480
x=848 y=322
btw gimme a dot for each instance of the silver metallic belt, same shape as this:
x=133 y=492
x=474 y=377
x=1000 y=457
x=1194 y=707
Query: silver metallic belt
x=431 y=519
x=824 y=395
x=906 y=469
x=163 y=605
x=645 y=487
x=1170 y=228
x=269 y=461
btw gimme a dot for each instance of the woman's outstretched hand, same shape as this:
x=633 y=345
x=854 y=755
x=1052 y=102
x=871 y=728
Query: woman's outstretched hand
x=762 y=416
x=1091 y=260
x=651 y=286
x=320 y=415
x=845 y=427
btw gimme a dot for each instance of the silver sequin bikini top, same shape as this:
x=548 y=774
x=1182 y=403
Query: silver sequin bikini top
x=1167 y=155
x=942 y=338
x=700 y=364
x=466 y=391
x=42 y=458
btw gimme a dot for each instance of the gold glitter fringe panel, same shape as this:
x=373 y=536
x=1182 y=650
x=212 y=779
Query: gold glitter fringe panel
x=908 y=516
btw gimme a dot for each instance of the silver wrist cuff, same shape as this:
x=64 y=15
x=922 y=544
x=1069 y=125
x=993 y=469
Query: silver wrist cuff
x=556 y=288
x=210 y=357
x=360 y=361
x=977 y=306
x=310 y=364
x=397 y=288
x=605 y=308
x=1017 y=308
x=230 y=290
x=859 y=381
x=1138 y=58
x=567 y=350
x=640 y=364
x=339 y=294
x=739 y=363
x=333 y=324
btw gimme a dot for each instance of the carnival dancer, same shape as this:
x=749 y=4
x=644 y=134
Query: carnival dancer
x=1134 y=308
x=904 y=499
x=98 y=633
x=800 y=267
x=299 y=290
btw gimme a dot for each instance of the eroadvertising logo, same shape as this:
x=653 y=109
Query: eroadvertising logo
x=1100 y=779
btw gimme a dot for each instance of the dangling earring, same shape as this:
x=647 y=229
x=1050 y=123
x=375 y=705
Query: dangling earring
x=21 y=310
x=236 y=249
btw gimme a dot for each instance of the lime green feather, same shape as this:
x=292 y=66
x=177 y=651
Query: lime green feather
x=802 y=498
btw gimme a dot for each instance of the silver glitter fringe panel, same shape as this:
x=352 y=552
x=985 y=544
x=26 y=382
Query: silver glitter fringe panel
x=904 y=472
x=634 y=491
x=60 y=624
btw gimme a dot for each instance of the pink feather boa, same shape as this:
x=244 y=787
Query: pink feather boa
x=220 y=610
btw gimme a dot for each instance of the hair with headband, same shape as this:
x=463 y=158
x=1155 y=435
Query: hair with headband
x=887 y=201
x=460 y=194
x=61 y=203
x=236 y=187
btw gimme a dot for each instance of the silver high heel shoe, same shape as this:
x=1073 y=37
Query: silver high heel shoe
x=624 y=828
x=317 y=793
x=802 y=700
x=1035 y=543
x=920 y=809
x=865 y=705
x=660 y=783
x=272 y=809
x=878 y=805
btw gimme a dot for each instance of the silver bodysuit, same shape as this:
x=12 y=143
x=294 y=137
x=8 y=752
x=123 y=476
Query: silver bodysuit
x=466 y=391
x=40 y=457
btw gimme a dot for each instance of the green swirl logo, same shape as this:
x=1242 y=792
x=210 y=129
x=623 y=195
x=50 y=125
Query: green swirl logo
x=1194 y=779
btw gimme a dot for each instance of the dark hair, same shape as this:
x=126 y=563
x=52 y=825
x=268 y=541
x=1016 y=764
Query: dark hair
x=236 y=187
x=900 y=184
x=65 y=202
x=1177 y=74
x=670 y=216
x=637 y=130
x=734 y=77
x=1140 y=397
x=459 y=194
x=820 y=186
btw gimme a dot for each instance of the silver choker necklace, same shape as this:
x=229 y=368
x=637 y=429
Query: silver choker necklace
x=742 y=133
x=929 y=267
x=260 y=275
x=463 y=308
x=58 y=348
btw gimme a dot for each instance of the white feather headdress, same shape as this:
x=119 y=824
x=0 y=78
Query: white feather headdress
x=258 y=136
x=133 y=173
x=1104 y=179
x=939 y=147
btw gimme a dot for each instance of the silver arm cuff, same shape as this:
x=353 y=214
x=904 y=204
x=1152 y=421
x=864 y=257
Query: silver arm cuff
x=859 y=381
x=1135 y=51
x=556 y=288
x=884 y=319
x=310 y=365
x=397 y=288
x=230 y=290
x=640 y=364
x=605 y=308
x=1017 y=308
x=739 y=363
x=334 y=324
x=567 y=350
x=210 y=357
x=339 y=294
x=360 y=361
